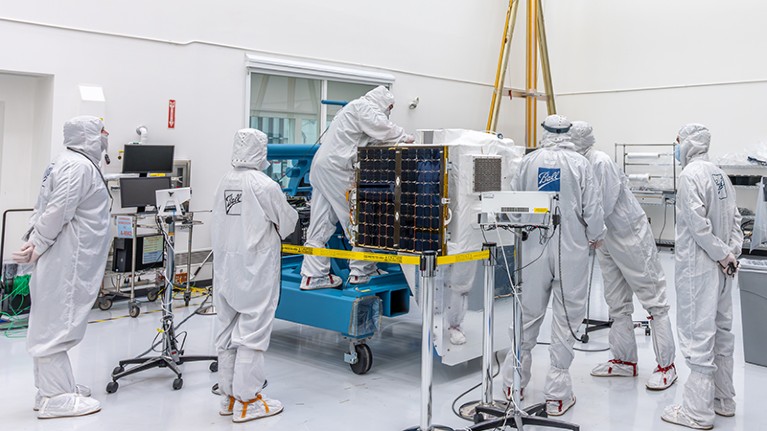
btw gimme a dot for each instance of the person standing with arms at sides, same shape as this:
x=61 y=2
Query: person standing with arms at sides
x=708 y=241
x=250 y=218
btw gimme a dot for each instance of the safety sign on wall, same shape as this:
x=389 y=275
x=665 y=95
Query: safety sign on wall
x=171 y=114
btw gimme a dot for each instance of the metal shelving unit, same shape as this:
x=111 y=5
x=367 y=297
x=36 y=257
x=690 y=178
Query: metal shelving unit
x=745 y=179
x=652 y=172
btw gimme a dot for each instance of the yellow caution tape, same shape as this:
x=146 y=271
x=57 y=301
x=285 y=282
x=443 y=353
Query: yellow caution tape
x=463 y=257
x=381 y=257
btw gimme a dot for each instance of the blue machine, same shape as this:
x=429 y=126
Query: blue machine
x=354 y=311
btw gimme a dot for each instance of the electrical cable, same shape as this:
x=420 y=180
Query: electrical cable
x=466 y=392
x=561 y=283
x=665 y=211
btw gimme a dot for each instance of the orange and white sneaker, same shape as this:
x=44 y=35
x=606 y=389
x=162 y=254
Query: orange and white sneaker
x=257 y=408
x=662 y=378
x=615 y=368
x=559 y=407
x=227 y=405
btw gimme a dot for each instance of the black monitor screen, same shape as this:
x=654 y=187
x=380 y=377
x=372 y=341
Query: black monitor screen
x=139 y=192
x=140 y=159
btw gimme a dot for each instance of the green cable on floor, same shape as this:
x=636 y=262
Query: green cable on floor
x=16 y=324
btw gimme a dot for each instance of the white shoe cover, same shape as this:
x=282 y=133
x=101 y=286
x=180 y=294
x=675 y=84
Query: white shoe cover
x=661 y=378
x=81 y=390
x=359 y=279
x=457 y=337
x=724 y=407
x=559 y=407
x=257 y=408
x=674 y=415
x=327 y=282
x=227 y=405
x=507 y=393
x=615 y=368
x=67 y=405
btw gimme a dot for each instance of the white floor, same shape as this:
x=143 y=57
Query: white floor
x=306 y=373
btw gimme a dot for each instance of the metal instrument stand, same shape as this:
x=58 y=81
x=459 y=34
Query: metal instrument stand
x=428 y=268
x=512 y=415
x=469 y=410
x=170 y=355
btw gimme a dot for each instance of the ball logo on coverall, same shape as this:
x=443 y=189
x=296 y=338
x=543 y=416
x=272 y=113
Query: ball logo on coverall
x=721 y=192
x=233 y=201
x=548 y=179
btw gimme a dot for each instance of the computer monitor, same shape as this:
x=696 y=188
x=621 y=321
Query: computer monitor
x=140 y=192
x=141 y=159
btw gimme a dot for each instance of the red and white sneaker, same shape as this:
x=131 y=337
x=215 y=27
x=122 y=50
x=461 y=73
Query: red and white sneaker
x=615 y=368
x=662 y=378
x=326 y=282
x=507 y=393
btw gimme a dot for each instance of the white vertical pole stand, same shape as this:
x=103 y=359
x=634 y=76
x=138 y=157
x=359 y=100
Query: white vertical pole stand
x=428 y=268
x=512 y=415
x=469 y=410
x=171 y=356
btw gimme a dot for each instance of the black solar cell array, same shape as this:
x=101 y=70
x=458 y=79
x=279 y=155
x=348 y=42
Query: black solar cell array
x=399 y=198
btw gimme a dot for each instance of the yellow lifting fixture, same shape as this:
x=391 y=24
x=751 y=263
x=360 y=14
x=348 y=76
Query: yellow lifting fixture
x=536 y=38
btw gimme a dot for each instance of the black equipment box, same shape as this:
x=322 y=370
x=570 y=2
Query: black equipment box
x=149 y=253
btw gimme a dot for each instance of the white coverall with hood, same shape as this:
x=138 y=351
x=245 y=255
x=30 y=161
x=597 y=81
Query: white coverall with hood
x=357 y=124
x=70 y=233
x=707 y=231
x=250 y=217
x=556 y=167
x=629 y=263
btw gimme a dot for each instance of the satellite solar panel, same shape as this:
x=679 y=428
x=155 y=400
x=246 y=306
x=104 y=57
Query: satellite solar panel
x=400 y=193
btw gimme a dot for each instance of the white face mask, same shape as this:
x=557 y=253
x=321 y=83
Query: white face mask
x=105 y=146
x=387 y=111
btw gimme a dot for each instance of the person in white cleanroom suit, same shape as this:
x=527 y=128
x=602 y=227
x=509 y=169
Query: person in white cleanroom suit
x=250 y=217
x=556 y=167
x=708 y=240
x=360 y=122
x=630 y=266
x=68 y=242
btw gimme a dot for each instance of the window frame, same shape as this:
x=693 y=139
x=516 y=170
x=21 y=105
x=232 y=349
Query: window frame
x=309 y=70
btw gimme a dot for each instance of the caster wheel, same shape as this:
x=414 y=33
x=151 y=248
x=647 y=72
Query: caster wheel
x=213 y=366
x=585 y=338
x=178 y=383
x=152 y=295
x=117 y=370
x=647 y=332
x=187 y=298
x=478 y=418
x=134 y=311
x=364 y=359
x=112 y=387
x=105 y=303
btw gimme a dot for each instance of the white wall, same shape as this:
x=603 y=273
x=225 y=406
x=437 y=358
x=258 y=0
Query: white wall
x=611 y=62
x=638 y=71
x=442 y=52
x=24 y=146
